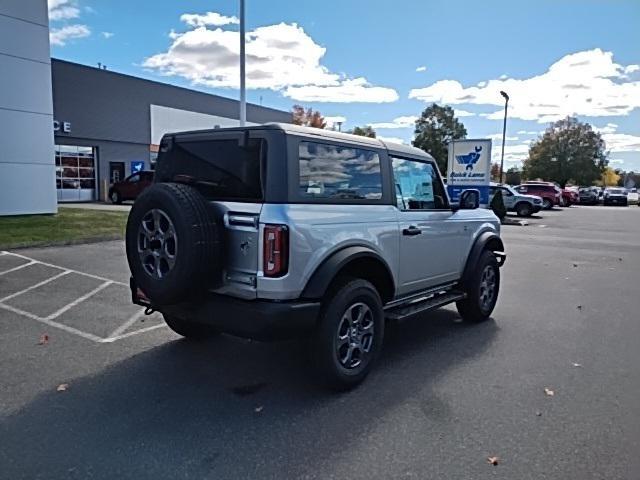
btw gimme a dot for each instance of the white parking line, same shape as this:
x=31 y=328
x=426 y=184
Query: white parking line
x=130 y=334
x=18 y=267
x=39 y=284
x=81 y=299
x=97 y=277
x=133 y=319
x=61 y=326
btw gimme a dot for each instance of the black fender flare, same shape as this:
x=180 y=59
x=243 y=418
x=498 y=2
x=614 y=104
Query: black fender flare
x=320 y=280
x=485 y=241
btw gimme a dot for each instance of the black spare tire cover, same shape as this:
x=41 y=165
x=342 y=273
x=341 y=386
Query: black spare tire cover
x=172 y=242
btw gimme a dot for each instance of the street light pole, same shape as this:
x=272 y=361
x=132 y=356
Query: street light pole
x=243 y=95
x=504 y=132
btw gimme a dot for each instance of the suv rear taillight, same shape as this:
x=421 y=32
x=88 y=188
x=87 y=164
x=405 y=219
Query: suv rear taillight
x=276 y=250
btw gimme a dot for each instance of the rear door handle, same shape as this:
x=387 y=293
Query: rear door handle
x=412 y=230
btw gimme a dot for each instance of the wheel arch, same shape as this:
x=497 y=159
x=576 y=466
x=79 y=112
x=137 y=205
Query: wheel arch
x=357 y=261
x=486 y=241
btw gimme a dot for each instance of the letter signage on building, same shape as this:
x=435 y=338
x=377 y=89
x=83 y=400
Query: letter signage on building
x=61 y=126
x=469 y=167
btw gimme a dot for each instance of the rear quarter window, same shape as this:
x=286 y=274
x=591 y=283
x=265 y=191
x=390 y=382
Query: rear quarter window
x=335 y=172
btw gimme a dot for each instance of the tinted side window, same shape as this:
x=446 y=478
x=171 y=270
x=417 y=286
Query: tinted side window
x=331 y=171
x=222 y=168
x=418 y=186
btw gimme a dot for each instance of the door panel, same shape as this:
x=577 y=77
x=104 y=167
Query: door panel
x=430 y=234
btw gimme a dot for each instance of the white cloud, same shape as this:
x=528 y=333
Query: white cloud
x=280 y=57
x=210 y=18
x=527 y=132
x=631 y=68
x=391 y=139
x=622 y=142
x=421 y=68
x=107 y=35
x=585 y=83
x=608 y=128
x=616 y=161
x=512 y=153
x=63 y=10
x=60 y=36
x=498 y=137
x=463 y=113
x=407 y=121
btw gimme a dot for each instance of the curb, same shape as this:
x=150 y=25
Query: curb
x=62 y=243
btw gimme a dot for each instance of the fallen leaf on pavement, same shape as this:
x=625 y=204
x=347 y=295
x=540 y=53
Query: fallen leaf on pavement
x=575 y=264
x=493 y=460
x=63 y=387
x=44 y=339
x=576 y=364
x=620 y=259
x=548 y=392
x=538 y=413
x=258 y=409
x=579 y=307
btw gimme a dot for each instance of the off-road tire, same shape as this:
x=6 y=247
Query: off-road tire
x=190 y=330
x=328 y=350
x=523 y=209
x=473 y=309
x=195 y=264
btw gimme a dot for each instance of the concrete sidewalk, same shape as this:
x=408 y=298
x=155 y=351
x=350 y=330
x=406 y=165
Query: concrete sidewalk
x=98 y=206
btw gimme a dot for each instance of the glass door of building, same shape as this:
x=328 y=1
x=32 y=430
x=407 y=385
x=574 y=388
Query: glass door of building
x=75 y=173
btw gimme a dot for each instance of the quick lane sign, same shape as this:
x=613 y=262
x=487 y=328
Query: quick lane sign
x=469 y=167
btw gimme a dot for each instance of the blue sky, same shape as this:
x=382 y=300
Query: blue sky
x=361 y=60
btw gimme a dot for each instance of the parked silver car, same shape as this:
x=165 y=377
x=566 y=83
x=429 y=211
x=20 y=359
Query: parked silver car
x=276 y=230
x=524 y=205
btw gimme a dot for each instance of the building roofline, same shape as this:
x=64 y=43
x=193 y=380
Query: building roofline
x=156 y=82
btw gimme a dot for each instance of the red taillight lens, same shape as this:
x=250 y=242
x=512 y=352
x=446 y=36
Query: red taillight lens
x=276 y=250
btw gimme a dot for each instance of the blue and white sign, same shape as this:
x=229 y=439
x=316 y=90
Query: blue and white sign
x=469 y=167
x=137 y=166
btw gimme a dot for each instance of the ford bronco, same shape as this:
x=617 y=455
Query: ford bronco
x=277 y=230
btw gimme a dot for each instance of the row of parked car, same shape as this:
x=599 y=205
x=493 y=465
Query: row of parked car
x=531 y=197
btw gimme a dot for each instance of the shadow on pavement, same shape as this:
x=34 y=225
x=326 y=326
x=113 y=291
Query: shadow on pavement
x=227 y=408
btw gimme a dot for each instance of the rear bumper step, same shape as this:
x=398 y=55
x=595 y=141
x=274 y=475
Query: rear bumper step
x=422 y=306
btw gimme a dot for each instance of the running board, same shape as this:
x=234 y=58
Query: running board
x=422 y=306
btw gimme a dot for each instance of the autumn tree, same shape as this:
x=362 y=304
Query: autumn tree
x=568 y=150
x=366 y=131
x=609 y=177
x=435 y=129
x=307 y=117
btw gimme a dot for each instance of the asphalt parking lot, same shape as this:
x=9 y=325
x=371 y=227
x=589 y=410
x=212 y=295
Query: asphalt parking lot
x=142 y=403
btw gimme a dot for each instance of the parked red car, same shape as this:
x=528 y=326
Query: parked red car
x=549 y=192
x=569 y=197
x=130 y=187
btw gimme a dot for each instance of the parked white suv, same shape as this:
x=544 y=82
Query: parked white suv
x=277 y=230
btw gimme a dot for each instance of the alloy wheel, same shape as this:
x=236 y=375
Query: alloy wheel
x=354 y=339
x=157 y=243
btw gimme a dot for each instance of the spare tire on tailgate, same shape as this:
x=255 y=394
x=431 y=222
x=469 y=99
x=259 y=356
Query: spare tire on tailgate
x=172 y=241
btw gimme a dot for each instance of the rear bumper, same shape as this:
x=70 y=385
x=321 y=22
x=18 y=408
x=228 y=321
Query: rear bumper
x=256 y=319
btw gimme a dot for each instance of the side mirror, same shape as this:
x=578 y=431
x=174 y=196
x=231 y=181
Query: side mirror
x=470 y=199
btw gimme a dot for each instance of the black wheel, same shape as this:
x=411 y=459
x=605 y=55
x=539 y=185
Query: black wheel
x=172 y=243
x=482 y=290
x=115 y=197
x=547 y=204
x=523 y=209
x=191 y=330
x=349 y=334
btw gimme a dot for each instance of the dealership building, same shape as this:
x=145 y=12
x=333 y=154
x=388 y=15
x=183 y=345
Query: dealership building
x=69 y=130
x=108 y=125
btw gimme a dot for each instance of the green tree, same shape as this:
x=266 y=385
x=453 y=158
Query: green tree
x=568 y=150
x=435 y=129
x=513 y=176
x=365 y=131
x=307 y=117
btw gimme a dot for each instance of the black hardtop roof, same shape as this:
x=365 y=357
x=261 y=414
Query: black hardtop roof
x=319 y=133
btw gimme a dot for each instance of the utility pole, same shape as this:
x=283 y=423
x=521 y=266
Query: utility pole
x=243 y=95
x=504 y=132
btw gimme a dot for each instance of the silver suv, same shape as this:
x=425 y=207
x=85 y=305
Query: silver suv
x=277 y=230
